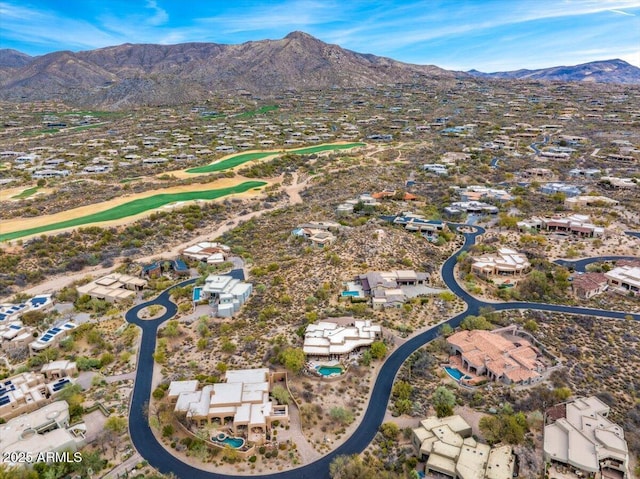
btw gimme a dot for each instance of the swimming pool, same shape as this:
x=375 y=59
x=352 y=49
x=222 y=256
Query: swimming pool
x=234 y=442
x=197 y=292
x=354 y=294
x=455 y=373
x=329 y=370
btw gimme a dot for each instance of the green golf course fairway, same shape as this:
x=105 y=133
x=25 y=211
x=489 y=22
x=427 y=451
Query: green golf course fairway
x=26 y=193
x=245 y=157
x=135 y=207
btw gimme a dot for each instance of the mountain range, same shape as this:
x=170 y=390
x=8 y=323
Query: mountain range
x=607 y=71
x=147 y=74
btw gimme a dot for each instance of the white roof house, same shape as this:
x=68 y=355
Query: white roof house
x=625 y=279
x=585 y=439
x=208 y=251
x=50 y=425
x=505 y=261
x=226 y=293
x=327 y=338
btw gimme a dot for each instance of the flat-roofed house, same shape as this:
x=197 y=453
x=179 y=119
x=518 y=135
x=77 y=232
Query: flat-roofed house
x=51 y=433
x=446 y=446
x=226 y=294
x=624 y=279
x=15 y=336
x=391 y=288
x=51 y=337
x=328 y=339
x=581 y=436
x=22 y=393
x=241 y=402
x=211 y=252
x=504 y=262
x=113 y=287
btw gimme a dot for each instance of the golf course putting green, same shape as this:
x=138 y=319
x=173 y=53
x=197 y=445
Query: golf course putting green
x=241 y=158
x=135 y=207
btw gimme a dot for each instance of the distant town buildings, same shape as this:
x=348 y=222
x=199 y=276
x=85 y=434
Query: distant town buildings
x=365 y=199
x=578 y=434
x=437 y=168
x=327 y=339
x=474 y=207
x=447 y=447
x=477 y=193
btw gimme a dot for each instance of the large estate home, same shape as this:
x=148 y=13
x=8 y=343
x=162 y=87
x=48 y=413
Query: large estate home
x=207 y=251
x=226 y=294
x=579 y=434
x=504 y=262
x=589 y=200
x=414 y=222
x=508 y=359
x=39 y=432
x=392 y=288
x=578 y=225
x=240 y=402
x=319 y=233
x=624 y=279
x=28 y=391
x=328 y=339
x=447 y=447
x=113 y=287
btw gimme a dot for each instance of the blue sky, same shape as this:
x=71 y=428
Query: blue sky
x=489 y=35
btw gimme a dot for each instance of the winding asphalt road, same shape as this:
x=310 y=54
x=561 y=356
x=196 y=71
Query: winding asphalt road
x=149 y=448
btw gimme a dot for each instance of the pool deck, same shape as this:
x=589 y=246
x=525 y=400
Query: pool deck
x=456 y=362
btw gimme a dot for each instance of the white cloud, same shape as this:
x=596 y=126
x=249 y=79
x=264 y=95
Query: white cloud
x=160 y=16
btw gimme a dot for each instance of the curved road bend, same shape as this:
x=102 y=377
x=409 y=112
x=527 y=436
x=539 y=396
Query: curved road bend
x=149 y=447
x=581 y=264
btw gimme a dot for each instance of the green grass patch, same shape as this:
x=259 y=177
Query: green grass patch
x=25 y=193
x=259 y=111
x=129 y=180
x=136 y=207
x=241 y=158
